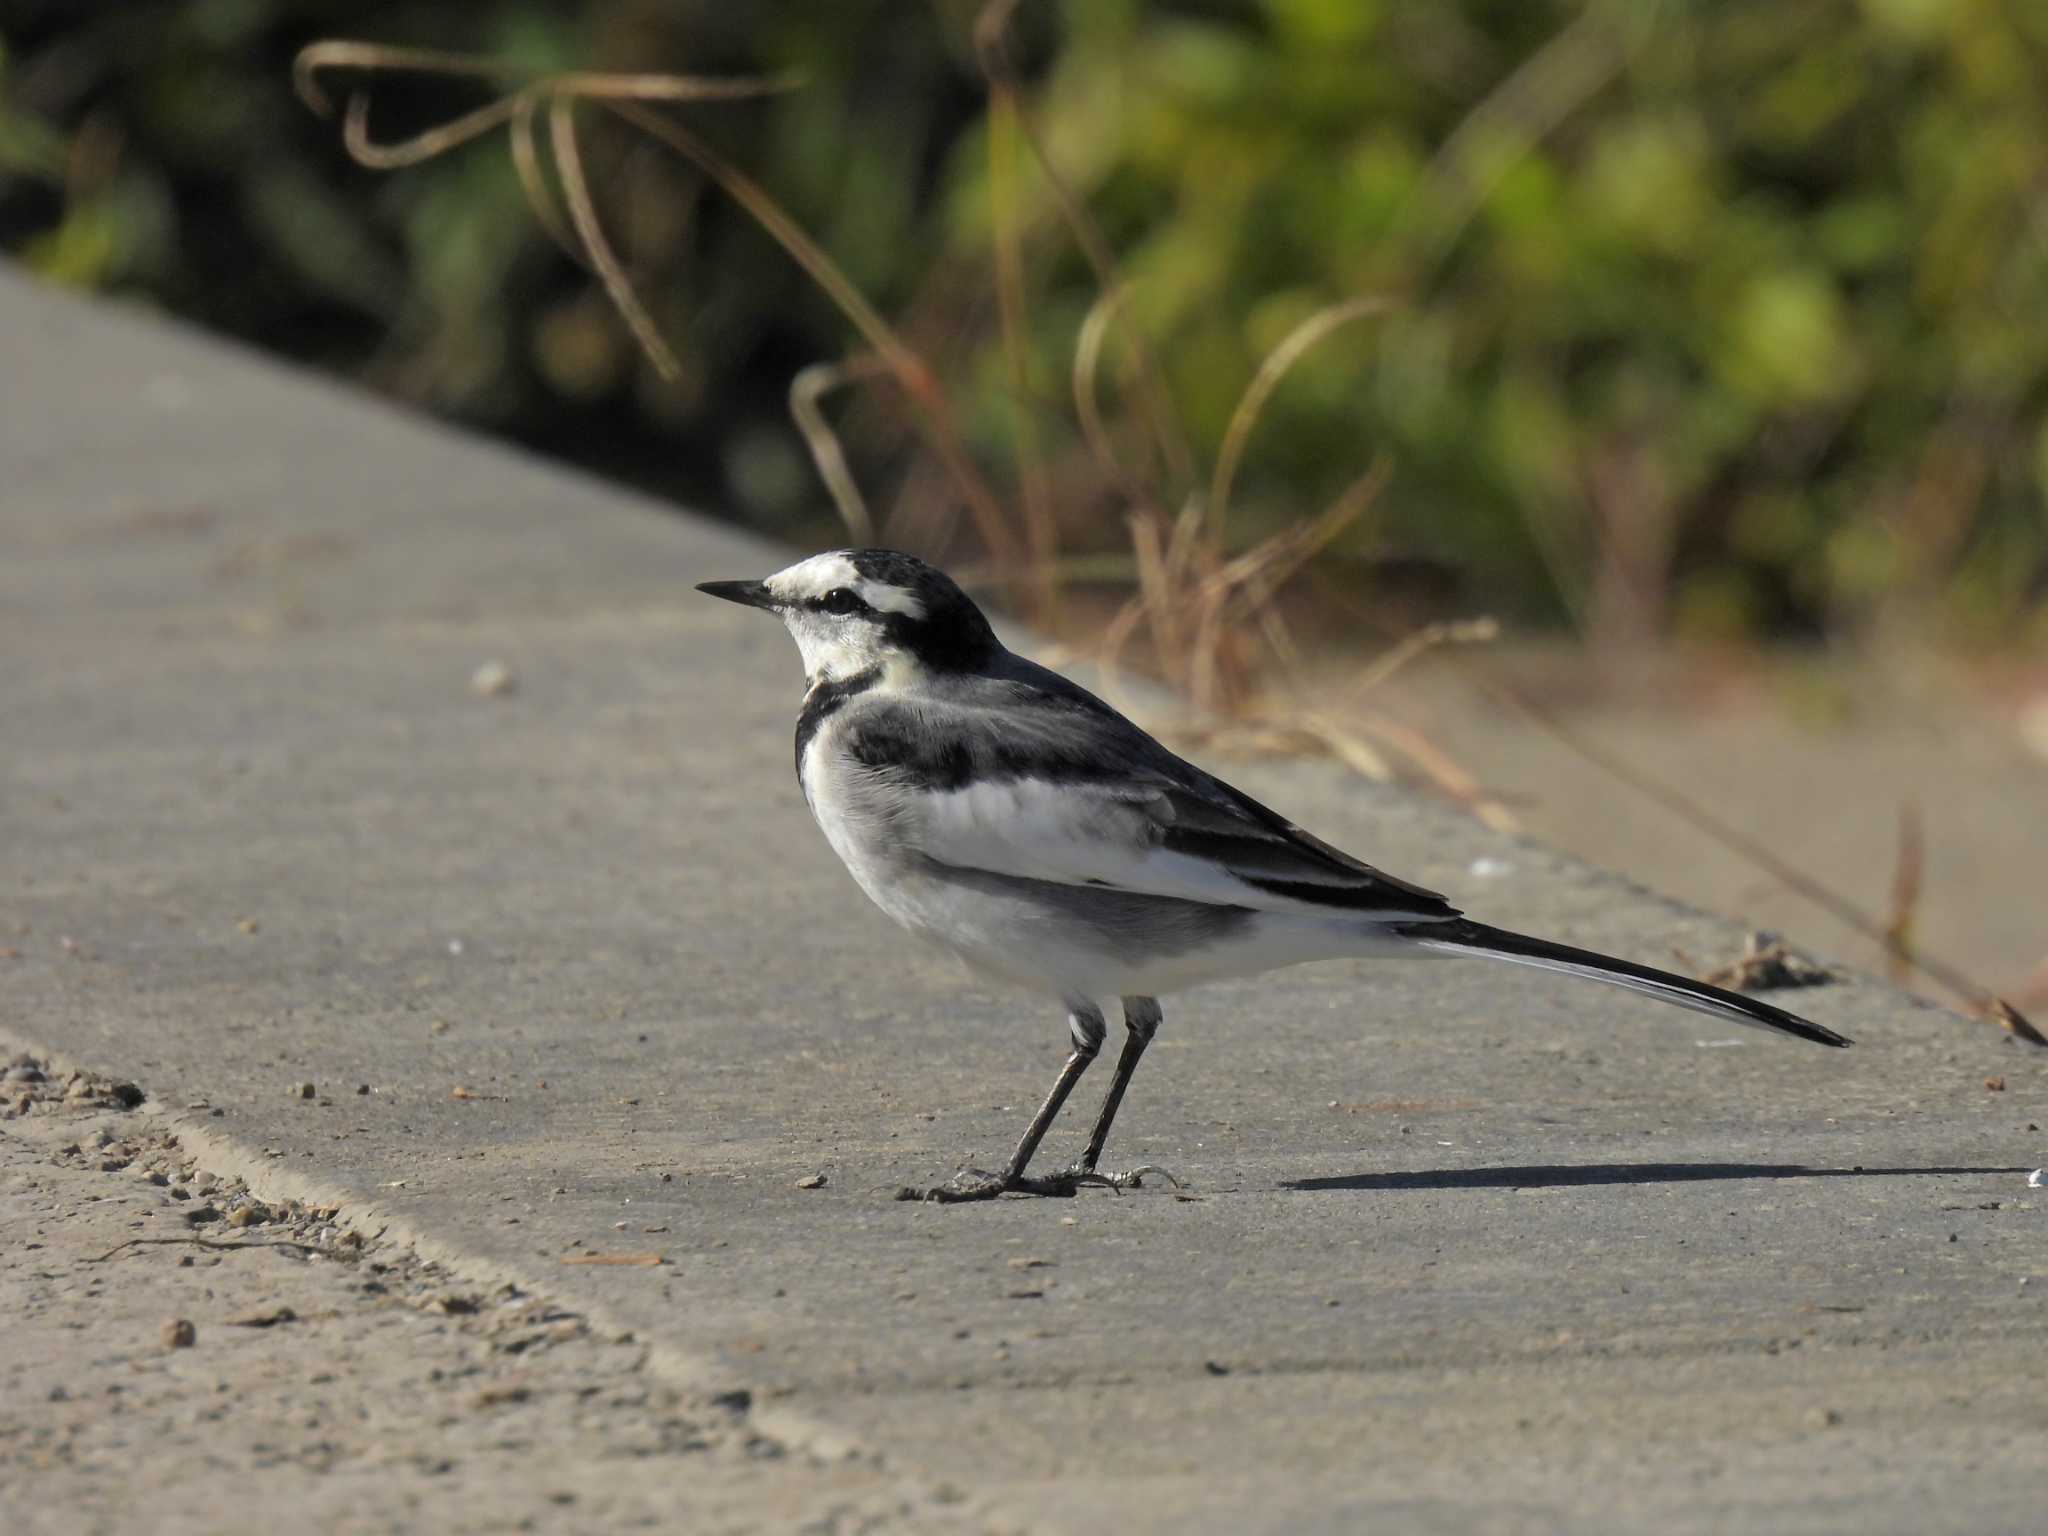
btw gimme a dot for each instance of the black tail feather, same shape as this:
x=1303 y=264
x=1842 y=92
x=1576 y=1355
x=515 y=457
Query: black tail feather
x=1463 y=936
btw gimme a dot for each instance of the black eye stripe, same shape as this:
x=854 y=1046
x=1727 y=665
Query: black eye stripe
x=839 y=600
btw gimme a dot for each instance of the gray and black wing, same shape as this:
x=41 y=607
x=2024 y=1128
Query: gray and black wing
x=1029 y=776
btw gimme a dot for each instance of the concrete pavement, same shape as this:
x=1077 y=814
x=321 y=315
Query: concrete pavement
x=1470 y=1251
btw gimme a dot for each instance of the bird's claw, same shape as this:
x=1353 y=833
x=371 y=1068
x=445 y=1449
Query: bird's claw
x=1130 y=1178
x=980 y=1184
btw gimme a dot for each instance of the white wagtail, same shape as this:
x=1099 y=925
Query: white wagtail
x=992 y=805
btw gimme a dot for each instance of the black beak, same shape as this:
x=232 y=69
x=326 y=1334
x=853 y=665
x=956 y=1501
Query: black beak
x=754 y=594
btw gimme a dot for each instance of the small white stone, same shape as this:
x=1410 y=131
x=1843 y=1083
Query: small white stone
x=492 y=679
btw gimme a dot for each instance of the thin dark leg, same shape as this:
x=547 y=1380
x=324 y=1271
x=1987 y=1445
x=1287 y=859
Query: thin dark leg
x=1041 y=1122
x=1141 y=1023
x=1084 y=1023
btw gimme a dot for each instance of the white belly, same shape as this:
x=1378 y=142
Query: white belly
x=1071 y=942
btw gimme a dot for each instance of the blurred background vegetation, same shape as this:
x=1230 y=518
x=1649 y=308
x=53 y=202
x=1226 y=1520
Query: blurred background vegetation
x=1714 y=319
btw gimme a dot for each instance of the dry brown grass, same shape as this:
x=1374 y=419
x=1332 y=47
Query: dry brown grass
x=1210 y=610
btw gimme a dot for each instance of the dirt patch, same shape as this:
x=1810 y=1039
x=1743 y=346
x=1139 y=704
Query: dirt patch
x=185 y=1355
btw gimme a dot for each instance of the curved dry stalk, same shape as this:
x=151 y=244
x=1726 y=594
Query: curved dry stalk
x=911 y=372
x=1271 y=371
x=1244 y=587
x=373 y=58
x=805 y=390
x=1347 y=746
x=629 y=96
x=515 y=111
x=338 y=54
x=1211 y=692
x=396 y=156
x=1160 y=591
x=1279 y=639
x=1088 y=346
x=583 y=214
x=1479 y=631
x=533 y=181
x=991 y=29
x=1186 y=543
x=1263 y=570
x=341 y=53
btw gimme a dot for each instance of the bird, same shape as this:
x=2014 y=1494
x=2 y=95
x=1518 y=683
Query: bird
x=994 y=806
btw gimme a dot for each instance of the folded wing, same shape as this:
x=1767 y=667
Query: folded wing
x=1063 y=789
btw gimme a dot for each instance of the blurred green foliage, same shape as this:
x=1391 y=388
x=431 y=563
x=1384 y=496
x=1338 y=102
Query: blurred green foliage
x=1718 y=317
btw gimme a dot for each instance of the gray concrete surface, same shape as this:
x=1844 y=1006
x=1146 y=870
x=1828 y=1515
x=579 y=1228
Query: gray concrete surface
x=1778 y=738
x=1469 y=1252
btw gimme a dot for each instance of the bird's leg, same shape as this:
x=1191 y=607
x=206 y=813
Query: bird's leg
x=1141 y=1023
x=1084 y=1023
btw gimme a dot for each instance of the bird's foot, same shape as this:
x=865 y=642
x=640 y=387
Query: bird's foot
x=980 y=1184
x=1133 y=1178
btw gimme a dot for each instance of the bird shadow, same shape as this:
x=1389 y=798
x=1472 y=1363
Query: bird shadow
x=1569 y=1175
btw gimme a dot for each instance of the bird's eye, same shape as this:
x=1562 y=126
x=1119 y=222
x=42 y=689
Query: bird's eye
x=841 y=600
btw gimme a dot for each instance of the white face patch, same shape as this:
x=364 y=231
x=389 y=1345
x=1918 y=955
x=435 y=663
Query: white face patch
x=838 y=645
x=822 y=573
x=887 y=599
x=813 y=578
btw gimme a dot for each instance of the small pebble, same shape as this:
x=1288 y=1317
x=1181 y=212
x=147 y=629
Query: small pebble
x=306 y=1091
x=811 y=1181
x=178 y=1333
x=491 y=680
x=249 y=1215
